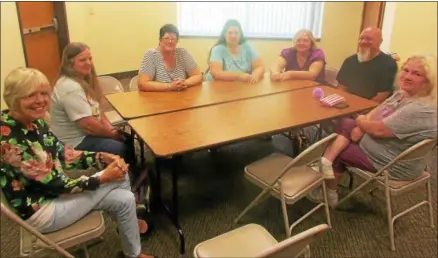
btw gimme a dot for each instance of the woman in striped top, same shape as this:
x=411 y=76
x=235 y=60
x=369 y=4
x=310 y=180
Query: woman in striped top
x=168 y=68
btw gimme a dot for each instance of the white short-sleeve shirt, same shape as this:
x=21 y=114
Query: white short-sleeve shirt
x=69 y=104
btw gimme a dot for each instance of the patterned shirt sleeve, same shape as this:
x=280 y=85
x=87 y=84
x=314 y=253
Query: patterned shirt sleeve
x=34 y=156
x=188 y=61
x=147 y=64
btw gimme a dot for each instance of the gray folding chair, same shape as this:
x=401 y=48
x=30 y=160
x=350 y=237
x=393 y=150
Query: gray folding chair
x=110 y=85
x=33 y=243
x=330 y=76
x=380 y=180
x=133 y=85
x=289 y=180
x=253 y=240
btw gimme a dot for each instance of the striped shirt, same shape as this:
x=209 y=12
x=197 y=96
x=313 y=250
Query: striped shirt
x=154 y=67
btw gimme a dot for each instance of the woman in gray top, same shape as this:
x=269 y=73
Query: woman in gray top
x=373 y=140
x=77 y=119
x=168 y=68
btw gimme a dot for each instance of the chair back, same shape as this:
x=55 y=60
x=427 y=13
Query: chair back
x=311 y=154
x=8 y=211
x=133 y=86
x=418 y=151
x=5 y=202
x=308 y=156
x=109 y=85
x=330 y=76
x=293 y=246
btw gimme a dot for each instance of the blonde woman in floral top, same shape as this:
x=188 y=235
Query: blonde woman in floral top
x=33 y=161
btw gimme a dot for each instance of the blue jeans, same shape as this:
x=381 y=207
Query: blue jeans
x=102 y=144
x=116 y=198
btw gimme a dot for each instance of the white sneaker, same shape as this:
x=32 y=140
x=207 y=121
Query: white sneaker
x=317 y=196
x=327 y=168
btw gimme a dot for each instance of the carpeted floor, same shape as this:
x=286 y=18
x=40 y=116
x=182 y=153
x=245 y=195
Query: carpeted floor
x=213 y=192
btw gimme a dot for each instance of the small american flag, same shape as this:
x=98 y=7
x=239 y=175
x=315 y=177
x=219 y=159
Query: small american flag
x=332 y=100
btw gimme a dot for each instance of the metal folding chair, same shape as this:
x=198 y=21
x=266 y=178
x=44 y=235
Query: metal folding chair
x=289 y=180
x=253 y=240
x=380 y=180
x=110 y=85
x=33 y=243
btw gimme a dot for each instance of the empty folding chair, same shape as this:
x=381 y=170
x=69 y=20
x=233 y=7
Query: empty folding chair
x=133 y=86
x=110 y=85
x=253 y=240
x=330 y=76
x=289 y=180
x=380 y=180
x=33 y=243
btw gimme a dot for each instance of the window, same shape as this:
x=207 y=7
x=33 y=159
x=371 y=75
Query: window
x=258 y=19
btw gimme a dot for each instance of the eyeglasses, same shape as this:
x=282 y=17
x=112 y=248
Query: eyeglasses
x=170 y=39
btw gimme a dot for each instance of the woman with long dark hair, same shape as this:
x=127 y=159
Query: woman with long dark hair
x=232 y=58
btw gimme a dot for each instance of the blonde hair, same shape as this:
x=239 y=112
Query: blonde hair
x=88 y=83
x=309 y=34
x=428 y=61
x=22 y=82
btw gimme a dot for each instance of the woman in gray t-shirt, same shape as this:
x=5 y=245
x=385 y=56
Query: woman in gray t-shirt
x=168 y=68
x=373 y=140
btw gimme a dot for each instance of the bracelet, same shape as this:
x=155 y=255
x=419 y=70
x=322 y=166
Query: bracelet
x=168 y=86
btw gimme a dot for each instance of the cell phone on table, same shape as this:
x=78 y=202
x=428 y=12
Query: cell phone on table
x=341 y=105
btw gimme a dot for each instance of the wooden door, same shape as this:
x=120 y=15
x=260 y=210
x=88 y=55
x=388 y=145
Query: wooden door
x=40 y=35
x=372 y=15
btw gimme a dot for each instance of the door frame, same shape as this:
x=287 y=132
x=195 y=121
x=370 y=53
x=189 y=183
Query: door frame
x=381 y=14
x=63 y=36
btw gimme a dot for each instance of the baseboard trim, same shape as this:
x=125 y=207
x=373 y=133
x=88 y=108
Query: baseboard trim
x=123 y=75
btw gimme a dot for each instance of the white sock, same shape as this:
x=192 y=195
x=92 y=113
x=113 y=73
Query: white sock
x=326 y=162
x=332 y=191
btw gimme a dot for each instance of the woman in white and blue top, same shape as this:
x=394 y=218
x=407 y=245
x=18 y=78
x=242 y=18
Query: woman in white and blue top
x=232 y=58
x=168 y=68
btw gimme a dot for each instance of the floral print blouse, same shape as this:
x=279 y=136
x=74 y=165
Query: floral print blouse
x=33 y=164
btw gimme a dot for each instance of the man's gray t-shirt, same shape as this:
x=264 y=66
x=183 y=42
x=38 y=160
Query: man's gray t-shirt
x=412 y=121
x=69 y=104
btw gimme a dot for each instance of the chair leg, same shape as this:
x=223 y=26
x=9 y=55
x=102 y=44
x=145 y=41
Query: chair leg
x=307 y=253
x=326 y=208
x=354 y=191
x=284 y=210
x=86 y=254
x=389 y=216
x=252 y=204
x=350 y=183
x=429 y=203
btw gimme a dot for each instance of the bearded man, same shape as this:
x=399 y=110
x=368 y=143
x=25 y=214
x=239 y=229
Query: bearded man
x=369 y=73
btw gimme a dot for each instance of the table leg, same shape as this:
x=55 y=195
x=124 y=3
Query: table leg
x=134 y=158
x=172 y=213
x=142 y=157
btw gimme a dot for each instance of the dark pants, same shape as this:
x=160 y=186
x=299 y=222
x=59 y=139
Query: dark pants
x=102 y=144
x=352 y=155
